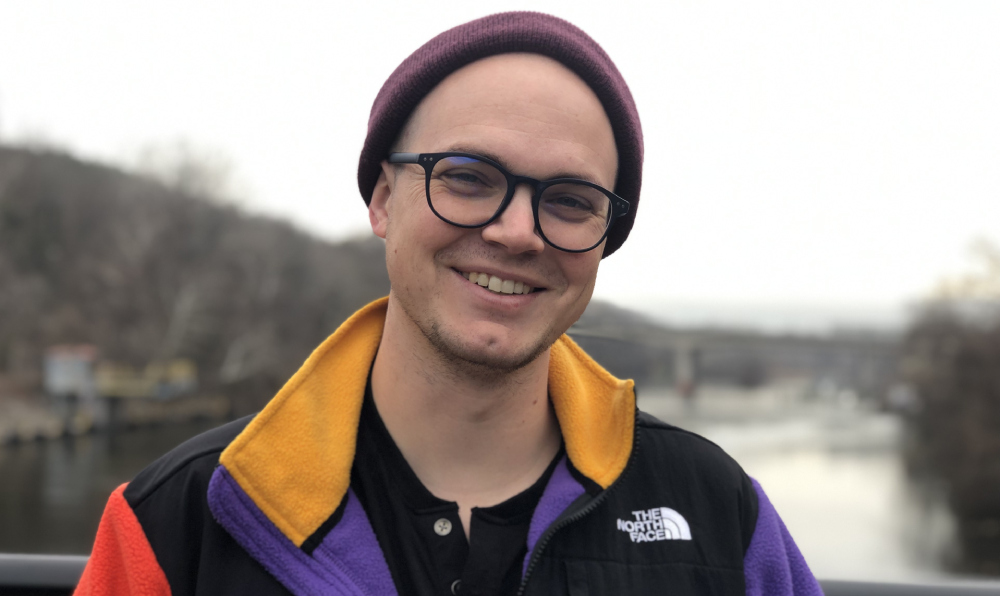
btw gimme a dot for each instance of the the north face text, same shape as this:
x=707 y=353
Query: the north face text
x=658 y=523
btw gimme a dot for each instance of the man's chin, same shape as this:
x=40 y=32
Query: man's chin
x=483 y=359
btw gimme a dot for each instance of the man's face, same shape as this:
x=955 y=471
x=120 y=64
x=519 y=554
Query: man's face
x=540 y=120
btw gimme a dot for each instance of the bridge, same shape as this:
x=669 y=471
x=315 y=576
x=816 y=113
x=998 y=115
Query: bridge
x=684 y=358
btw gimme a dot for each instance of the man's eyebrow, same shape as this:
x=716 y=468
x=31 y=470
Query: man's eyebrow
x=481 y=153
x=506 y=165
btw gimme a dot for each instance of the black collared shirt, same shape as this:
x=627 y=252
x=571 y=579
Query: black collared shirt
x=421 y=535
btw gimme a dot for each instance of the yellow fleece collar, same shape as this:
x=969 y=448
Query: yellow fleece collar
x=294 y=459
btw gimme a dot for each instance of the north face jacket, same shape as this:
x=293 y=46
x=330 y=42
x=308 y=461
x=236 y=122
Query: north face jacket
x=263 y=505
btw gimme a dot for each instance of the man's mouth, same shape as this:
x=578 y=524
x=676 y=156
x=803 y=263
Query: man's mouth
x=498 y=285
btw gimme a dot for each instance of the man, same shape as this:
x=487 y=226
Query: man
x=449 y=439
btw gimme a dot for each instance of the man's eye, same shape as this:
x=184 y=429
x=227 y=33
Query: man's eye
x=571 y=202
x=463 y=177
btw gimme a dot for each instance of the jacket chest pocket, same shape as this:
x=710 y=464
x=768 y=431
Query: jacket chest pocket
x=603 y=578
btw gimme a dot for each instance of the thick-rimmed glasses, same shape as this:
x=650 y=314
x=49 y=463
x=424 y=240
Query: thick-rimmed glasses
x=471 y=191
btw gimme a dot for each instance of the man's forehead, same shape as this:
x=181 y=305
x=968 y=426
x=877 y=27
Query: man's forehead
x=504 y=84
x=518 y=74
x=521 y=110
x=524 y=63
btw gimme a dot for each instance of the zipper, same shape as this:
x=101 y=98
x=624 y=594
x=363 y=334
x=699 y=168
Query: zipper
x=594 y=504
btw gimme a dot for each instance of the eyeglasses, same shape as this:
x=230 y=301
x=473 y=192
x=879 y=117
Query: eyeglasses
x=471 y=191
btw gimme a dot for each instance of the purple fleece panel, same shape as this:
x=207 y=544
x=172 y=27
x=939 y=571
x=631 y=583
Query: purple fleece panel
x=353 y=547
x=337 y=571
x=561 y=490
x=773 y=565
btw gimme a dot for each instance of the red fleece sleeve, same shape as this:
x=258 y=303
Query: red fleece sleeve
x=122 y=561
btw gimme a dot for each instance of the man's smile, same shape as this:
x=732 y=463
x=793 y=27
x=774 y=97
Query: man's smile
x=499 y=285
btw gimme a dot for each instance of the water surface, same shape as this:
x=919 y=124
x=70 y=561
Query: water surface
x=52 y=493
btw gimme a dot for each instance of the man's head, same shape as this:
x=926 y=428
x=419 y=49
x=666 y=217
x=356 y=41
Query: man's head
x=538 y=119
x=526 y=32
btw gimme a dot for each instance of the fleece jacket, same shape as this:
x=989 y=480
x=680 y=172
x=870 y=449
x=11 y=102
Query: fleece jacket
x=263 y=505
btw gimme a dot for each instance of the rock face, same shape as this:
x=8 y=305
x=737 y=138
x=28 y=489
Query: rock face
x=144 y=271
x=953 y=363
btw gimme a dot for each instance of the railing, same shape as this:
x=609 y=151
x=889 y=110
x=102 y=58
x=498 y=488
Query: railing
x=954 y=588
x=38 y=575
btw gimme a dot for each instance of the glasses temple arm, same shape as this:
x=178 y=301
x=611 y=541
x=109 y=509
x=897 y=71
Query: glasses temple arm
x=404 y=157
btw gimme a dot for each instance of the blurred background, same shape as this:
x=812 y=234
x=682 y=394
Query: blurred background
x=813 y=280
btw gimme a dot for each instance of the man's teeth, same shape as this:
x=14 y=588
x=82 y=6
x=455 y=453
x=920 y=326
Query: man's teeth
x=500 y=286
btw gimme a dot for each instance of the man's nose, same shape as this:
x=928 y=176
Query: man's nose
x=515 y=228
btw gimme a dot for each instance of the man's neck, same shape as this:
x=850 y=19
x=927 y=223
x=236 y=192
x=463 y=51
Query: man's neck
x=469 y=439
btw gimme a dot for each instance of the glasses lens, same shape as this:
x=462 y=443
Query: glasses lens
x=466 y=191
x=574 y=216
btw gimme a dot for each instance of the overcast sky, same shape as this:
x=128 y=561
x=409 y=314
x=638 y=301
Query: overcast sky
x=841 y=155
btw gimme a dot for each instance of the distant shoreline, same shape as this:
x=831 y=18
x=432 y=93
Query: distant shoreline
x=806 y=318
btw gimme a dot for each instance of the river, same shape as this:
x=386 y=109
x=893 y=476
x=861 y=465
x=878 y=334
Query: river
x=833 y=471
x=52 y=493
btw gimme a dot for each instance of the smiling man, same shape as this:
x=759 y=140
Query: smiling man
x=450 y=439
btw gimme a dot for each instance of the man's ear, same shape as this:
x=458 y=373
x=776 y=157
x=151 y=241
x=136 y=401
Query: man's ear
x=378 y=208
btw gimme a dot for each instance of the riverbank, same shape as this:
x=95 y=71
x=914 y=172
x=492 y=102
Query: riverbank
x=37 y=418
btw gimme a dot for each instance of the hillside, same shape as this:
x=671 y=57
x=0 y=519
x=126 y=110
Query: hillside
x=91 y=254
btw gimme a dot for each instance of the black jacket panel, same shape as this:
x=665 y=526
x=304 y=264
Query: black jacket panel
x=670 y=468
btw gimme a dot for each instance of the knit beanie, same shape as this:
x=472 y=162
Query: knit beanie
x=503 y=33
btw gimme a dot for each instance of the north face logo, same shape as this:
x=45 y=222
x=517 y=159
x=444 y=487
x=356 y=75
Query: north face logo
x=658 y=523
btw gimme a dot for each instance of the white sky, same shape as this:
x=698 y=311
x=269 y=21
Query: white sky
x=837 y=154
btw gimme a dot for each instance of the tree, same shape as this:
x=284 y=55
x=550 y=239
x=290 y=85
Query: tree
x=952 y=359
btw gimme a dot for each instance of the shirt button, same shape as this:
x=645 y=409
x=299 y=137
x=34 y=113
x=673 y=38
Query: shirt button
x=442 y=527
x=455 y=586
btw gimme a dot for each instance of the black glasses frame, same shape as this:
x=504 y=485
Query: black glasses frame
x=619 y=206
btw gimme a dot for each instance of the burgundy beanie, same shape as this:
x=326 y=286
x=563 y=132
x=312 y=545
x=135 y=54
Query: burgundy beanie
x=530 y=32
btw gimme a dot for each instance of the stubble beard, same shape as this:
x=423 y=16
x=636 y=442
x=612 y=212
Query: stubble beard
x=462 y=360
x=478 y=363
